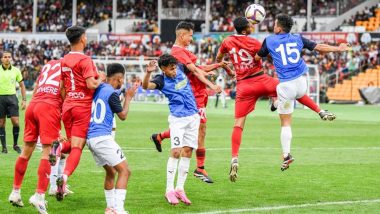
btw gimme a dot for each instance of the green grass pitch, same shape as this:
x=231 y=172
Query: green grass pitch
x=334 y=161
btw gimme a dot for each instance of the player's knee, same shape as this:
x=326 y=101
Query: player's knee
x=175 y=153
x=186 y=152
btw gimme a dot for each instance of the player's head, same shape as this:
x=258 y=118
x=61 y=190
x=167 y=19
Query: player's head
x=184 y=32
x=6 y=58
x=115 y=75
x=283 y=24
x=76 y=35
x=242 y=26
x=168 y=65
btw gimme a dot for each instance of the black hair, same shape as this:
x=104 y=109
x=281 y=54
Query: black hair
x=166 y=60
x=185 y=25
x=285 y=22
x=240 y=24
x=74 y=33
x=115 y=68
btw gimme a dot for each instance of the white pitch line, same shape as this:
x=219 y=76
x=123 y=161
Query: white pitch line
x=133 y=149
x=292 y=206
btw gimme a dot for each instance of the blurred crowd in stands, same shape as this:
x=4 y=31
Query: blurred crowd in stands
x=360 y=16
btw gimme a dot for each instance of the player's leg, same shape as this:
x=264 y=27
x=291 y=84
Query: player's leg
x=38 y=199
x=109 y=188
x=3 y=135
x=123 y=173
x=189 y=143
x=287 y=93
x=158 y=138
x=13 y=110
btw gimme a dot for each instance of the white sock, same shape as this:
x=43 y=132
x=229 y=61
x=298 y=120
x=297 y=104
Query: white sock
x=183 y=169
x=61 y=167
x=113 y=133
x=286 y=139
x=119 y=199
x=171 y=170
x=110 y=198
x=16 y=191
x=54 y=175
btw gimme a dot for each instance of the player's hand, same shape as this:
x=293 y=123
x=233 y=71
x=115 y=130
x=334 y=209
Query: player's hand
x=224 y=64
x=216 y=88
x=130 y=93
x=344 y=47
x=23 y=105
x=151 y=66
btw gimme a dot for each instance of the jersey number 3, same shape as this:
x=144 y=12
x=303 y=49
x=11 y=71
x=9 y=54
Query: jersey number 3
x=290 y=49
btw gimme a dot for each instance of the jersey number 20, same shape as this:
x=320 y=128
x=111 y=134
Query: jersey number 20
x=290 y=49
x=94 y=110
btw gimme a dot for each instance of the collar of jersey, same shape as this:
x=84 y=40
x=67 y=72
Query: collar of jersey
x=76 y=52
x=10 y=67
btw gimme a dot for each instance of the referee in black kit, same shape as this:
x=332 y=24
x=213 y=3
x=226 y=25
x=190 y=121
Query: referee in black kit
x=8 y=99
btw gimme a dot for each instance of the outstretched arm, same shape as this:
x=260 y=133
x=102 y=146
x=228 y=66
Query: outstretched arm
x=200 y=74
x=219 y=58
x=329 y=48
x=146 y=83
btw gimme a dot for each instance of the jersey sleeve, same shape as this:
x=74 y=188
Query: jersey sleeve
x=308 y=44
x=114 y=103
x=263 y=52
x=223 y=49
x=88 y=68
x=18 y=75
x=159 y=81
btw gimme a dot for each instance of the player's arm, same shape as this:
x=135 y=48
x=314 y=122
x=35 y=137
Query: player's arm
x=23 y=94
x=310 y=45
x=62 y=89
x=93 y=83
x=219 y=58
x=200 y=74
x=115 y=104
x=263 y=52
x=146 y=83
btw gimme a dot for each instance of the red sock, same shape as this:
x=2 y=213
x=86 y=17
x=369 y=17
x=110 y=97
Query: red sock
x=201 y=157
x=236 y=140
x=165 y=134
x=43 y=176
x=65 y=147
x=20 y=168
x=72 y=160
x=307 y=101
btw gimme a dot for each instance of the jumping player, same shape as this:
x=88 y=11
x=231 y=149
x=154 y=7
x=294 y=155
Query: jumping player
x=80 y=79
x=183 y=121
x=285 y=49
x=184 y=36
x=42 y=118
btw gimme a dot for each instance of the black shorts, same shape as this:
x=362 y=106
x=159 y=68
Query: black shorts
x=9 y=106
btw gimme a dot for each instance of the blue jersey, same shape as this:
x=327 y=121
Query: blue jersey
x=178 y=91
x=105 y=103
x=285 y=50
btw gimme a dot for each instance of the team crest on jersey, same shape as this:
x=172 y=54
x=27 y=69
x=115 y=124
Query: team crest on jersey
x=181 y=84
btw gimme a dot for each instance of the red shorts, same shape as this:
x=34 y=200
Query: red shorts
x=44 y=120
x=201 y=100
x=248 y=91
x=76 y=120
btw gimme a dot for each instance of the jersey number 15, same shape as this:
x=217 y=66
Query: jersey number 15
x=290 y=49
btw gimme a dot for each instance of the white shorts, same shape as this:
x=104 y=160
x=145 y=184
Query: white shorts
x=105 y=151
x=184 y=131
x=288 y=92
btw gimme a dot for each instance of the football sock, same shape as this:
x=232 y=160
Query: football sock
x=20 y=168
x=110 y=198
x=183 y=169
x=165 y=134
x=307 y=101
x=72 y=160
x=15 y=131
x=236 y=140
x=65 y=147
x=171 y=170
x=43 y=176
x=201 y=157
x=2 y=137
x=119 y=199
x=286 y=139
x=61 y=166
x=54 y=175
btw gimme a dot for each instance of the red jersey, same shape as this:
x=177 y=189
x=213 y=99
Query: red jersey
x=185 y=57
x=76 y=68
x=242 y=50
x=48 y=89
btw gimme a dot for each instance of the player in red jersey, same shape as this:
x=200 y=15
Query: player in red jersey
x=80 y=79
x=42 y=118
x=184 y=36
x=252 y=83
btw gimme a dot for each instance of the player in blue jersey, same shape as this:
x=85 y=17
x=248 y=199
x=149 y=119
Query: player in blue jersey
x=106 y=152
x=183 y=121
x=285 y=49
